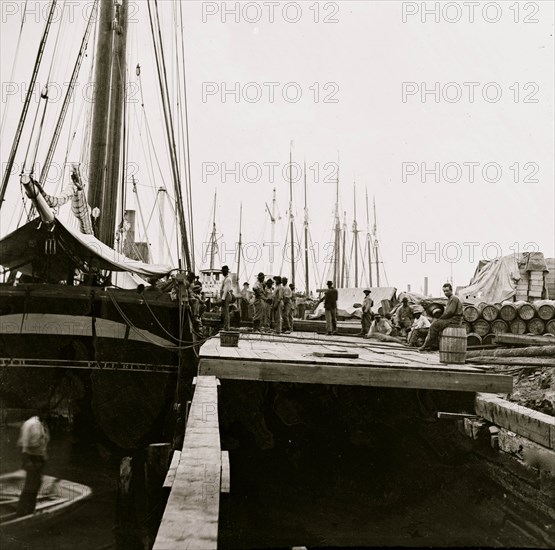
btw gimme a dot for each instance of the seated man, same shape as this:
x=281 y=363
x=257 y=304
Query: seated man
x=379 y=326
x=419 y=329
x=451 y=317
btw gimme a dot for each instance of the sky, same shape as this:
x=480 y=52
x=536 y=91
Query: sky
x=445 y=117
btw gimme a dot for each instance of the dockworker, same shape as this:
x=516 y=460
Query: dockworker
x=226 y=296
x=366 y=319
x=379 y=325
x=259 y=318
x=330 y=308
x=246 y=300
x=420 y=327
x=33 y=440
x=286 y=314
x=404 y=316
x=277 y=305
x=451 y=317
x=293 y=306
x=269 y=319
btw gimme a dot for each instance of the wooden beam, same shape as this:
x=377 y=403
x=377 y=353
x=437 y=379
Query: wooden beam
x=524 y=340
x=533 y=425
x=226 y=473
x=191 y=516
x=374 y=376
x=515 y=361
x=170 y=476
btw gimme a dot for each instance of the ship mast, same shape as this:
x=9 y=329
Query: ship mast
x=306 y=236
x=291 y=217
x=368 y=241
x=272 y=214
x=213 y=237
x=344 y=247
x=240 y=243
x=107 y=117
x=376 y=245
x=337 y=231
x=355 y=232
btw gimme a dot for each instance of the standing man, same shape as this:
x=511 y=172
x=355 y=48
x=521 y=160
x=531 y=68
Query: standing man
x=259 y=303
x=366 y=319
x=452 y=317
x=226 y=295
x=278 y=300
x=33 y=440
x=269 y=319
x=287 y=294
x=293 y=306
x=330 y=308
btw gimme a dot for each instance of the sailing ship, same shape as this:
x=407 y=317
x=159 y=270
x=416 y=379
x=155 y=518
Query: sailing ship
x=79 y=321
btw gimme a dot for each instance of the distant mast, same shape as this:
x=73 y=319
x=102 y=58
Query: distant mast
x=344 y=274
x=306 y=235
x=337 y=232
x=240 y=244
x=213 y=237
x=355 y=232
x=368 y=242
x=291 y=217
x=272 y=214
x=376 y=244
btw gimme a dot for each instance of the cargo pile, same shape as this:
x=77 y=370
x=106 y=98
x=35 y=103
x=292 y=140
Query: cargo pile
x=484 y=321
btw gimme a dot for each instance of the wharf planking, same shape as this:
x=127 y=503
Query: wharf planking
x=191 y=516
x=304 y=358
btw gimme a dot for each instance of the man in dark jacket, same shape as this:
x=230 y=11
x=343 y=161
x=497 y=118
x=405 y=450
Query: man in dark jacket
x=452 y=317
x=330 y=308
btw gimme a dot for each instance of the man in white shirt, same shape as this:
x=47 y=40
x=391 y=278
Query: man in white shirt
x=226 y=295
x=419 y=328
x=33 y=440
x=379 y=326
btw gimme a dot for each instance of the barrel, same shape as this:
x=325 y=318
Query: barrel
x=545 y=309
x=508 y=312
x=470 y=314
x=473 y=339
x=467 y=327
x=499 y=327
x=488 y=339
x=550 y=326
x=490 y=312
x=481 y=327
x=536 y=326
x=518 y=326
x=525 y=310
x=452 y=345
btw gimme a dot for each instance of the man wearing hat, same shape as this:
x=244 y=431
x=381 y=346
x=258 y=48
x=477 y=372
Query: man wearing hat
x=404 y=316
x=366 y=319
x=379 y=327
x=330 y=308
x=259 y=290
x=226 y=295
x=420 y=327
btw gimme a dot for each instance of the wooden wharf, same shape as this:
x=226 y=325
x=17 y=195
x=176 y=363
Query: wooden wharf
x=200 y=472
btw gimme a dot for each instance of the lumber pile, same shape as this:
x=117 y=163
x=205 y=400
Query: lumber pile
x=514 y=349
x=484 y=321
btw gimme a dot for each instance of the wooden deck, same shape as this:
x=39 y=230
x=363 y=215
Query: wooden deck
x=191 y=516
x=318 y=359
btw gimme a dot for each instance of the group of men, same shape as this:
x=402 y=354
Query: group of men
x=274 y=304
x=409 y=324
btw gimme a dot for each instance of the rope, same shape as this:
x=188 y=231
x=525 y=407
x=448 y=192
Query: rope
x=6 y=109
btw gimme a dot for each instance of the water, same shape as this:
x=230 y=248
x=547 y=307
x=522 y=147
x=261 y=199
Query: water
x=90 y=524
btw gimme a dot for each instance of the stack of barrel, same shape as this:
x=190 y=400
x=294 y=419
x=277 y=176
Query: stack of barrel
x=484 y=321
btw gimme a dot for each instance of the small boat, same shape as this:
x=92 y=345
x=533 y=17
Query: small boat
x=55 y=497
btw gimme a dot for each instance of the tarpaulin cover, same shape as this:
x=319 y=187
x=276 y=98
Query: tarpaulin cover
x=63 y=248
x=347 y=297
x=494 y=283
x=535 y=261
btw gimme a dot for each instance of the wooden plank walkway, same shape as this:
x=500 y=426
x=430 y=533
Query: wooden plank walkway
x=291 y=358
x=191 y=516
